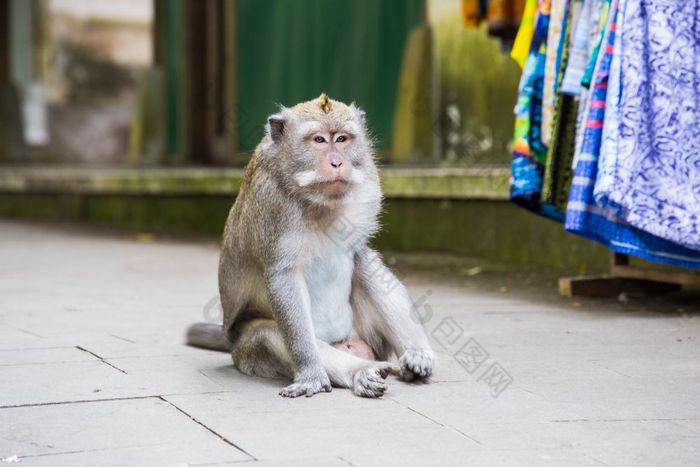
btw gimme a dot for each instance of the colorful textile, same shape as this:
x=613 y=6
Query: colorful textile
x=581 y=48
x=529 y=153
x=611 y=126
x=559 y=171
x=600 y=33
x=473 y=11
x=504 y=18
x=521 y=46
x=596 y=33
x=555 y=41
x=583 y=216
x=652 y=165
x=558 y=167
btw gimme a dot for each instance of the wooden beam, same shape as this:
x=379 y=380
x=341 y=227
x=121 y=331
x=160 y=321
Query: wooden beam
x=610 y=286
x=687 y=279
x=620 y=267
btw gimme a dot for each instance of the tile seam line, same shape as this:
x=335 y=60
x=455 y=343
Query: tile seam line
x=83 y=349
x=82 y=401
x=438 y=423
x=223 y=438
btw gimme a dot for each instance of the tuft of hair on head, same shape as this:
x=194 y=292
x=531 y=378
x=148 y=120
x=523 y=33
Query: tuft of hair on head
x=325 y=102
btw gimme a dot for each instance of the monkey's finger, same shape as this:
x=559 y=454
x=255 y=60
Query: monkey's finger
x=376 y=378
x=376 y=386
x=419 y=368
x=427 y=367
x=394 y=369
x=293 y=390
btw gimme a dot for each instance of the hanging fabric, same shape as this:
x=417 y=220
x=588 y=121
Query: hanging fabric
x=521 y=45
x=529 y=153
x=502 y=16
x=606 y=124
x=563 y=126
x=651 y=169
x=583 y=215
x=555 y=40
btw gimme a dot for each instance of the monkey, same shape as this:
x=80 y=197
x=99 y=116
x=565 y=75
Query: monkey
x=304 y=296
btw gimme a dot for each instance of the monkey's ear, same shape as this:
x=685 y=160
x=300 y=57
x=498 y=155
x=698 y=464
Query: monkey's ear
x=275 y=127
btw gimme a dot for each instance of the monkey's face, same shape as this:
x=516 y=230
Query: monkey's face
x=321 y=155
x=325 y=156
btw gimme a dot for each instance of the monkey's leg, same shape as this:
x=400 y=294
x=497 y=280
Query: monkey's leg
x=384 y=308
x=259 y=350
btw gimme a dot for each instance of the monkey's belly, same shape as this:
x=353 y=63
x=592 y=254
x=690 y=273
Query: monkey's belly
x=329 y=281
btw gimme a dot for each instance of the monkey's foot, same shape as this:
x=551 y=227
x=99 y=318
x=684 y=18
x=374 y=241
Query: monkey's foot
x=416 y=363
x=307 y=386
x=369 y=381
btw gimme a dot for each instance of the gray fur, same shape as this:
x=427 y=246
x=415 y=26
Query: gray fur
x=276 y=230
x=208 y=336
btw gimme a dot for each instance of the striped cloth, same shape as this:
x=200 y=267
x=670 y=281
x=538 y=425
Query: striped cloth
x=555 y=42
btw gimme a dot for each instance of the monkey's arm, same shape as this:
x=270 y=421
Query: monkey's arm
x=289 y=298
x=383 y=302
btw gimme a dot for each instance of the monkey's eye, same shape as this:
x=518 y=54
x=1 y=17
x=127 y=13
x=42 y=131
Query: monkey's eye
x=341 y=139
x=320 y=139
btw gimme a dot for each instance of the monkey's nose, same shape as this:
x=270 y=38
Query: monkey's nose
x=336 y=164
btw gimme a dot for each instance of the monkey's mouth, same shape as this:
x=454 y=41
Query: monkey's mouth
x=335 y=187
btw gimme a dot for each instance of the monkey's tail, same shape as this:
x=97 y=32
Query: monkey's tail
x=208 y=336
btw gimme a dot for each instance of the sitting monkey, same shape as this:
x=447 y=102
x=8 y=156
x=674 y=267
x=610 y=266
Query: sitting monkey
x=304 y=297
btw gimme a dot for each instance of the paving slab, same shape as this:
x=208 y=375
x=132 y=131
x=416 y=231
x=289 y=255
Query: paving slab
x=93 y=371
x=147 y=431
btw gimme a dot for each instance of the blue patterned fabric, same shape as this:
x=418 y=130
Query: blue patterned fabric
x=650 y=169
x=584 y=217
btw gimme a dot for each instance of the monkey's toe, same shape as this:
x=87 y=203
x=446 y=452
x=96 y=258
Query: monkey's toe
x=369 y=382
x=416 y=363
x=308 y=389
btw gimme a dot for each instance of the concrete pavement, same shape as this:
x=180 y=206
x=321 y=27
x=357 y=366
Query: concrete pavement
x=93 y=372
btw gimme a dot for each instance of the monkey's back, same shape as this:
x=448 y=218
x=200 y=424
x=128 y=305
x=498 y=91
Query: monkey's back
x=257 y=220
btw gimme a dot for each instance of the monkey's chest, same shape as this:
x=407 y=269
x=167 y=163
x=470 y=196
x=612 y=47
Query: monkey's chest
x=329 y=280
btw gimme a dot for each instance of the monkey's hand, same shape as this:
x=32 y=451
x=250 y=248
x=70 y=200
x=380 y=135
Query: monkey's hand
x=416 y=363
x=369 y=381
x=308 y=382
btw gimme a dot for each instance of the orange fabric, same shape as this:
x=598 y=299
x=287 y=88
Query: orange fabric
x=470 y=13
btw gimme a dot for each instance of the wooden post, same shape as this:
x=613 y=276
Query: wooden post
x=158 y=32
x=4 y=42
x=232 y=99
x=196 y=58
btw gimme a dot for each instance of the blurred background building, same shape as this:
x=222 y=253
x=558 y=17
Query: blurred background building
x=140 y=114
x=186 y=82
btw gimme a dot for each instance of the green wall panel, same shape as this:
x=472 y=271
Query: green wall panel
x=292 y=50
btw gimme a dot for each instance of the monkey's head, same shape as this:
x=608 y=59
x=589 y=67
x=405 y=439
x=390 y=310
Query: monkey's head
x=320 y=149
